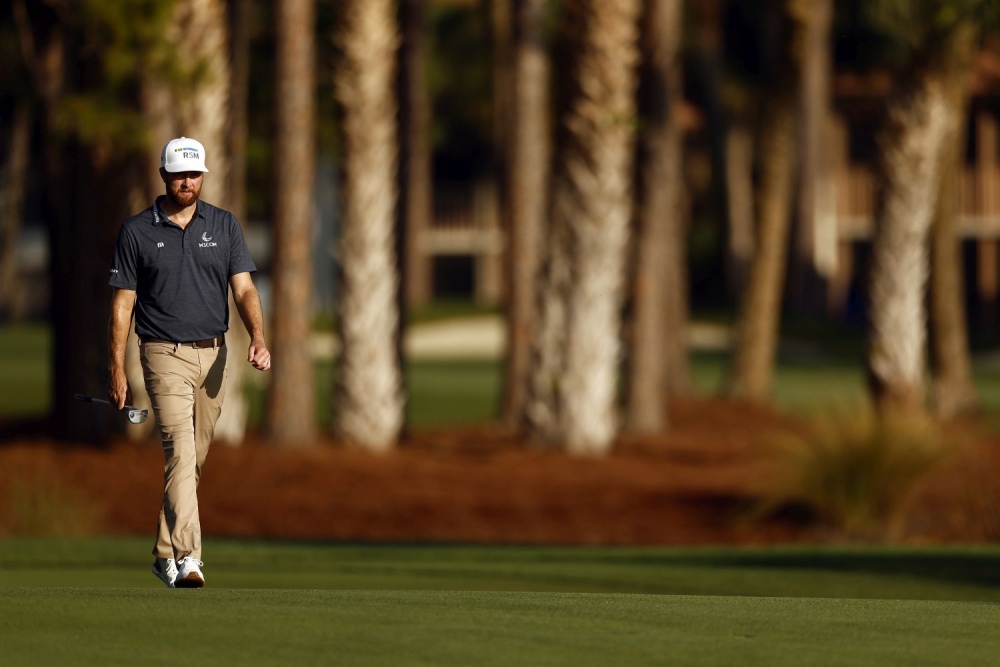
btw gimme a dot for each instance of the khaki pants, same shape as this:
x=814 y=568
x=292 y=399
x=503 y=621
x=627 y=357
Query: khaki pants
x=186 y=386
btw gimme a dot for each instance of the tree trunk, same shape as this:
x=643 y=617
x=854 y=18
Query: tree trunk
x=231 y=427
x=291 y=408
x=161 y=120
x=13 y=182
x=954 y=393
x=549 y=346
x=369 y=403
x=82 y=223
x=203 y=114
x=679 y=382
x=756 y=342
x=160 y=116
x=210 y=113
x=81 y=325
x=47 y=65
x=918 y=124
x=239 y=19
x=592 y=202
x=415 y=210
x=815 y=247
x=707 y=53
x=657 y=270
x=416 y=189
x=740 y=205
x=527 y=182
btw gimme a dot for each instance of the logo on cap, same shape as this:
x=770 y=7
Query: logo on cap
x=183 y=154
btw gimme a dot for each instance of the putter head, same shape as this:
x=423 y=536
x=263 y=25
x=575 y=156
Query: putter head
x=137 y=416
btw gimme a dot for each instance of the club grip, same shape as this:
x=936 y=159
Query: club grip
x=90 y=399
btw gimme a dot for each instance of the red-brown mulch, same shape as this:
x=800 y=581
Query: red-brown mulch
x=693 y=485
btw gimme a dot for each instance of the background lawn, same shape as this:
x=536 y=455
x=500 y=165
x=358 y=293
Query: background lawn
x=25 y=382
x=93 y=602
x=822 y=376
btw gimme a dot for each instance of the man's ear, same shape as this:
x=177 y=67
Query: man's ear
x=163 y=174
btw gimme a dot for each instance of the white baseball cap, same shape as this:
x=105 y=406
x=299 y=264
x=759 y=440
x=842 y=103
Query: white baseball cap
x=183 y=154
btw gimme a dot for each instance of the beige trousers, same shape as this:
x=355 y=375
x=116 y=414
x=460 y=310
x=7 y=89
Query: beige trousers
x=186 y=386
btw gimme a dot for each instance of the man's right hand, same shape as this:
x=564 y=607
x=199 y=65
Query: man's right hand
x=119 y=393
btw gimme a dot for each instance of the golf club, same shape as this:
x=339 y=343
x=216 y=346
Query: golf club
x=135 y=415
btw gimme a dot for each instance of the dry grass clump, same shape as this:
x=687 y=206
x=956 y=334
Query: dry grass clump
x=854 y=474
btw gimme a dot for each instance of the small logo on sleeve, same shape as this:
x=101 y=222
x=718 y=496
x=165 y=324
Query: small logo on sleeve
x=206 y=241
x=114 y=270
x=160 y=244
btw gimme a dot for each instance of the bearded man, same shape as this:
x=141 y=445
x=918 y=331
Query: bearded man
x=173 y=266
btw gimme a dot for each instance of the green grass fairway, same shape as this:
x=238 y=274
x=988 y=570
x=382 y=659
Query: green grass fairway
x=394 y=628
x=93 y=602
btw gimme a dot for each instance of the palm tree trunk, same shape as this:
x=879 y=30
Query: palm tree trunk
x=203 y=114
x=954 y=393
x=549 y=346
x=239 y=18
x=415 y=209
x=752 y=371
x=707 y=53
x=82 y=223
x=416 y=188
x=161 y=118
x=13 y=182
x=527 y=182
x=290 y=409
x=592 y=201
x=918 y=124
x=679 y=382
x=231 y=427
x=43 y=39
x=212 y=114
x=657 y=270
x=739 y=205
x=815 y=246
x=369 y=399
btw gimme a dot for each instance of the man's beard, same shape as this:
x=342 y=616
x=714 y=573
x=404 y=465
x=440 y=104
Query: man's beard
x=185 y=198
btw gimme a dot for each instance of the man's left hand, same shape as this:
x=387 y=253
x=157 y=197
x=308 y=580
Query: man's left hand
x=259 y=356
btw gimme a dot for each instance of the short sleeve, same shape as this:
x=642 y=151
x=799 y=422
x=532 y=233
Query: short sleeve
x=239 y=254
x=125 y=262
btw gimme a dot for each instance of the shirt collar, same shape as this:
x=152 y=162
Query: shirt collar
x=159 y=217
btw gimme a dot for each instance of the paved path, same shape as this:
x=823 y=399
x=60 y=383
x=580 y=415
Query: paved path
x=483 y=337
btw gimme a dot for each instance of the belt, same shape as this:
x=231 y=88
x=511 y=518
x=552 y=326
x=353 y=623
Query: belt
x=218 y=341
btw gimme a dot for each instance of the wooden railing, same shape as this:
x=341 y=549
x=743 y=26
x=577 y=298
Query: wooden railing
x=466 y=221
x=978 y=191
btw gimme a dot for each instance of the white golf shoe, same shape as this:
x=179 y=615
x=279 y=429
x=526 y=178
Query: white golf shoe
x=189 y=573
x=166 y=570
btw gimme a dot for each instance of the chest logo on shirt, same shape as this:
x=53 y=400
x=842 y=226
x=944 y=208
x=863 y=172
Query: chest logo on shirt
x=159 y=245
x=206 y=241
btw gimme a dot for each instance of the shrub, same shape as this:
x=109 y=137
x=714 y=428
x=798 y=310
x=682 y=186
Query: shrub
x=853 y=473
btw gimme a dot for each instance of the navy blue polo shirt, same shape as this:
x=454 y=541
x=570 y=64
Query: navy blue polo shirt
x=180 y=276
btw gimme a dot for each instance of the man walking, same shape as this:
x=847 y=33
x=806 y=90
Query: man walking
x=173 y=266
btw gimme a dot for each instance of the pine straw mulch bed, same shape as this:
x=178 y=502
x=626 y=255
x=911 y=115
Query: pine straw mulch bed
x=697 y=484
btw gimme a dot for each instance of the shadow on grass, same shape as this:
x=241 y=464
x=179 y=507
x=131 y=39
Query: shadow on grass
x=977 y=566
x=965 y=568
